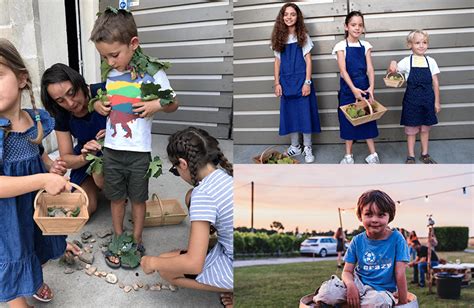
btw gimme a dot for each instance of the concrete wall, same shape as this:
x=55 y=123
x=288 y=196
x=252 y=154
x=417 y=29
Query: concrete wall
x=451 y=28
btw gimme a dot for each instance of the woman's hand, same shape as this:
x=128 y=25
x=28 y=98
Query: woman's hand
x=370 y=91
x=102 y=108
x=353 y=298
x=148 y=108
x=306 y=90
x=92 y=147
x=358 y=93
x=58 y=167
x=100 y=134
x=54 y=184
x=146 y=264
x=437 y=107
x=278 y=90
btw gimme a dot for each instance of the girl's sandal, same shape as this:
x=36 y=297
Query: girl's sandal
x=112 y=260
x=44 y=294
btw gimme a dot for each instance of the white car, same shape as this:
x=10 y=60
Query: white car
x=319 y=245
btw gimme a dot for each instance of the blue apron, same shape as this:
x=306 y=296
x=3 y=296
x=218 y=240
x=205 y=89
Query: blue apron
x=418 y=102
x=4 y=123
x=356 y=66
x=298 y=113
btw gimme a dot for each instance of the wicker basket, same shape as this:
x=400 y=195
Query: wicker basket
x=267 y=153
x=163 y=212
x=61 y=225
x=367 y=118
x=394 y=83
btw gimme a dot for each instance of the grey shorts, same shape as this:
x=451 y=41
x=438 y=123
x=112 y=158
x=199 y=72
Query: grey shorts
x=124 y=175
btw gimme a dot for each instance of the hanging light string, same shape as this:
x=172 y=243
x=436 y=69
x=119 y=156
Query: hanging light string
x=426 y=197
x=360 y=185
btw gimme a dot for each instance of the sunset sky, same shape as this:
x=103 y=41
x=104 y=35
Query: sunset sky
x=306 y=196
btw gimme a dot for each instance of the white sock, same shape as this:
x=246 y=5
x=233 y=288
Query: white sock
x=307 y=140
x=295 y=139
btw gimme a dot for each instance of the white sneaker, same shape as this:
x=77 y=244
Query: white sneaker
x=308 y=154
x=348 y=159
x=293 y=151
x=372 y=159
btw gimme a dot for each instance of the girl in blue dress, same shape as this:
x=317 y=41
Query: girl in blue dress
x=197 y=158
x=65 y=95
x=356 y=82
x=298 y=106
x=23 y=248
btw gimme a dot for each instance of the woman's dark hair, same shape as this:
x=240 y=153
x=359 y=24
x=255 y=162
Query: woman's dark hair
x=349 y=17
x=197 y=148
x=280 y=30
x=338 y=233
x=381 y=200
x=59 y=73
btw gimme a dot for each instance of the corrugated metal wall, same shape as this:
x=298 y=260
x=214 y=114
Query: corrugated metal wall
x=451 y=28
x=196 y=37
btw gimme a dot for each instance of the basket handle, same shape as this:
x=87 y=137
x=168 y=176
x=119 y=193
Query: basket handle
x=155 y=197
x=77 y=187
x=264 y=151
x=402 y=75
x=368 y=104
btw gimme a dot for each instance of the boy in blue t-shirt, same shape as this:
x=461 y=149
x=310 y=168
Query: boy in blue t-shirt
x=375 y=261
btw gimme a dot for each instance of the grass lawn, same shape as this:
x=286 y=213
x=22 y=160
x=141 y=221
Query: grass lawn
x=284 y=285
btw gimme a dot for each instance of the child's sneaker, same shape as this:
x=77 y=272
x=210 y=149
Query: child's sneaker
x=426 y=159
x=348 y=159
x=410 y=160
x=293 y=150
x=372 y=159
x=308 y=154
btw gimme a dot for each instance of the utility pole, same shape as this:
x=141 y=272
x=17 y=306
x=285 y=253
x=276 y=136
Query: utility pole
x=251 y=202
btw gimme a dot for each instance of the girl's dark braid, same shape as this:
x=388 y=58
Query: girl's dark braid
x=39 y=125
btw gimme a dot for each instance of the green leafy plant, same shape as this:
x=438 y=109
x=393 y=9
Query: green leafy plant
x=124 y=247
x=151 y=91
x=101 y=96
x=96 y=166
x=155 y=169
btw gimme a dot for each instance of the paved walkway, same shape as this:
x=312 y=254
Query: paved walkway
x=80 y=290
x=278 y=261
x=443 y=151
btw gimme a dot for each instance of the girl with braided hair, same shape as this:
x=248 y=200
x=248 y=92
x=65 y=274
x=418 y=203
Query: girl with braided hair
x=196 y=157
x=23 y=248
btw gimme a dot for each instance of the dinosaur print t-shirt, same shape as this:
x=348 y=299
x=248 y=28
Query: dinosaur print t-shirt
x=375 y=259
x=125 y=130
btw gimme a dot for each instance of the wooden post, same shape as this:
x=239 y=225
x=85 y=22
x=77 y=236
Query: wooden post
x=251 y=215
x=428 y=259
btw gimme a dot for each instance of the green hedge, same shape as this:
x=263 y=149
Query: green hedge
x=247 y=242
x=452 y=238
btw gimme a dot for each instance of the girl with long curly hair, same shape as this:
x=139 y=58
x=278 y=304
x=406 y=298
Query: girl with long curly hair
x=298 y=106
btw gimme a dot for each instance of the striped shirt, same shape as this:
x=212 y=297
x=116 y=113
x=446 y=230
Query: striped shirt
x=213 y=201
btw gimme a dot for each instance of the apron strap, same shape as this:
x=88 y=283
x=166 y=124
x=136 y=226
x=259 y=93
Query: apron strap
x=4 y=124
x=411 y=61
x=427 y=62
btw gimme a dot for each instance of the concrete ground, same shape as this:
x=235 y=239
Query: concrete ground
x=443 y=151
x=80 y=290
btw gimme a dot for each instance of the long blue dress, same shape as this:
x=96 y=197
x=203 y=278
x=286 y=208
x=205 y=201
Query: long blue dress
x=298 y=113
x=23 y=248
x=83 y=129
x=356 y=66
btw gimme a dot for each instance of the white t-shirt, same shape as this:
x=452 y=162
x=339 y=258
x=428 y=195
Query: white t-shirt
x=125 y=130
x=293 y=39
x=404 y=65
x=342 y=46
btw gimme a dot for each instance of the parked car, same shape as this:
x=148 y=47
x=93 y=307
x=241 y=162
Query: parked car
x=319 y=245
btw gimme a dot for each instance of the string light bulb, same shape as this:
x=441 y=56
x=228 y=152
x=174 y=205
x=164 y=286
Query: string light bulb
x=464 y=191
x=427 y=199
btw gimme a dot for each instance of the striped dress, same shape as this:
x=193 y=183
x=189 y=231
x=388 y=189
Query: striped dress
x=213 y=201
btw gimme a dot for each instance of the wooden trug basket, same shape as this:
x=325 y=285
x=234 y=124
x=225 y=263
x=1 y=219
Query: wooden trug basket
x=367 y=118
x=61 y=225
x=394 y=83
x=267 y=153
x=163 y=212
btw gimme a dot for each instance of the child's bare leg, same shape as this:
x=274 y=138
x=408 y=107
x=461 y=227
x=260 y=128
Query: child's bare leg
x=117 y=208
x=91 y=190
x=371 y=145
x=98 y=180
x=411 y=140
x=138 y=213
x=424 y=139
x=349 y=146
x=19 y=302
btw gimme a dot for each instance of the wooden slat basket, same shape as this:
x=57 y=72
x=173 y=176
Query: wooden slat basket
x=61 y=225
x=267 y=154
x=367 y=118
x=391 y=83
x=163 y=212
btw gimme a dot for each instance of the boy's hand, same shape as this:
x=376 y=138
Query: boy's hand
x=54 y=184
x=306 y=90
x=278 y=90
x=393 y=67
x=148 y=108
x=102 y=108
x=146 y=264
x=353 y=295
x=58 y=167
